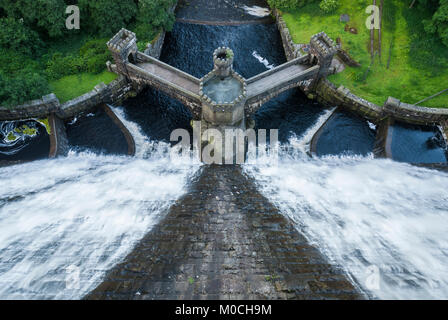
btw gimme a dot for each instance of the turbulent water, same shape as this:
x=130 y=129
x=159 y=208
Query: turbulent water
x=385 y=222
x=74 y=218
x=23 y=140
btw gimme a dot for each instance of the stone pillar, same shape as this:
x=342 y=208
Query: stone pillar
x=322 y=51
x=123 y=47
x=219 y=115
x=223 y=61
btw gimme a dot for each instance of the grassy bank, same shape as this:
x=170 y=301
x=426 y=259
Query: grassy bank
x=73 y=86
x=418 y=62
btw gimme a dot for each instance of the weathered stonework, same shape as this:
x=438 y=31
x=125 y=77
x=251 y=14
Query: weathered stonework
x=225 y=242
x=383 y=140
x=58 y=137
x=329 y=95
x=39 y=108
x=292 y=50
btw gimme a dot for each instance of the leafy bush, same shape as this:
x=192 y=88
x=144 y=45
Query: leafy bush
x=16 y=36
x=21 y=88
x=95 y=54
x=44 y=16
x=154 y=16
x=107 y=17
x=329 y=6
x=439 y=22
x=59 y=65
x=92 y=58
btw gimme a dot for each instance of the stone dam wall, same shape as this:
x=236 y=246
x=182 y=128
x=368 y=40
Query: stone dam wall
x=115 y=92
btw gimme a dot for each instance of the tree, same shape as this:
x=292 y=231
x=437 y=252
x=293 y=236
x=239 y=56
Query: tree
x=21 y=88
x=107 y=16
x=439 y=22
x=153 y=16
x=45 y=16
x=15 y=35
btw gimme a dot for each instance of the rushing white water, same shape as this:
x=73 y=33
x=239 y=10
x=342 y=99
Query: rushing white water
x=262 y=60
x=65 y=222
x=302 y=144
x=385 y=222
x=257 y=11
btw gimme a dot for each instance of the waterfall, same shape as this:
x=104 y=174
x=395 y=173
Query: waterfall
x=65 y=222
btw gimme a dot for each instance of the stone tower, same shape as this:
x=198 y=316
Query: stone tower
x=223 y=62
x=323 y=50
x=123 y=47
x=223 y=95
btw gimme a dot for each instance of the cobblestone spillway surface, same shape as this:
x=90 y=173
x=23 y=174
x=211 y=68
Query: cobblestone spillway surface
x=224 y=240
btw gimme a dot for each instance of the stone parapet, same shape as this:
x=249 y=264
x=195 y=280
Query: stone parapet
x=115 y=92
x=39 y=108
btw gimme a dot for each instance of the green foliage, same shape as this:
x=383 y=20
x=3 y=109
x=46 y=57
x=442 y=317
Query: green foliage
x=153 y=17
x=439 y=22
x=92 y=58
x=107 y=17
x=63 y=65
x=329 y=6
x=22 y=87
x=70 y=87
x=95 y=55
x=289 y=4
x=44 y=16
x=23 y=23
x=17 y=36
x=418 y=65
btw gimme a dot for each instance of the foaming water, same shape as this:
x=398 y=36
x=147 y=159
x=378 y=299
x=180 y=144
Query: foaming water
x=74 y=218
x=378 y=219
x=23 y=140
x=257 y=11
x=262 y=60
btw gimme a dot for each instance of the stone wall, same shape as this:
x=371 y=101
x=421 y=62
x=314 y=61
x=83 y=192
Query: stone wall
x=414 y=114
x=58 y=137
x=329 y=95
x=382 y=147
x=292 y=50
x=115 y=92
x=39 y=108
x=155 y=49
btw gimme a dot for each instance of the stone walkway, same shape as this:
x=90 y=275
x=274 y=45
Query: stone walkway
x=221 y=12
x=224 y=240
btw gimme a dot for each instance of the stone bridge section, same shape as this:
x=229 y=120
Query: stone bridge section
x=142 y=69
x=267 y=85
x=225 y=242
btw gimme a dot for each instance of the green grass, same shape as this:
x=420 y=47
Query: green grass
x=418 y=64
x=70 y=87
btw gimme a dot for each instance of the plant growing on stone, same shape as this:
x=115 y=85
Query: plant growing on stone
x=229 y=54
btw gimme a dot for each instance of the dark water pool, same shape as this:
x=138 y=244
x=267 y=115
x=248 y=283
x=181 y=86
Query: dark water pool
x=417 y=144
x=96 y=132
x=345 y=133
x=16 y=145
